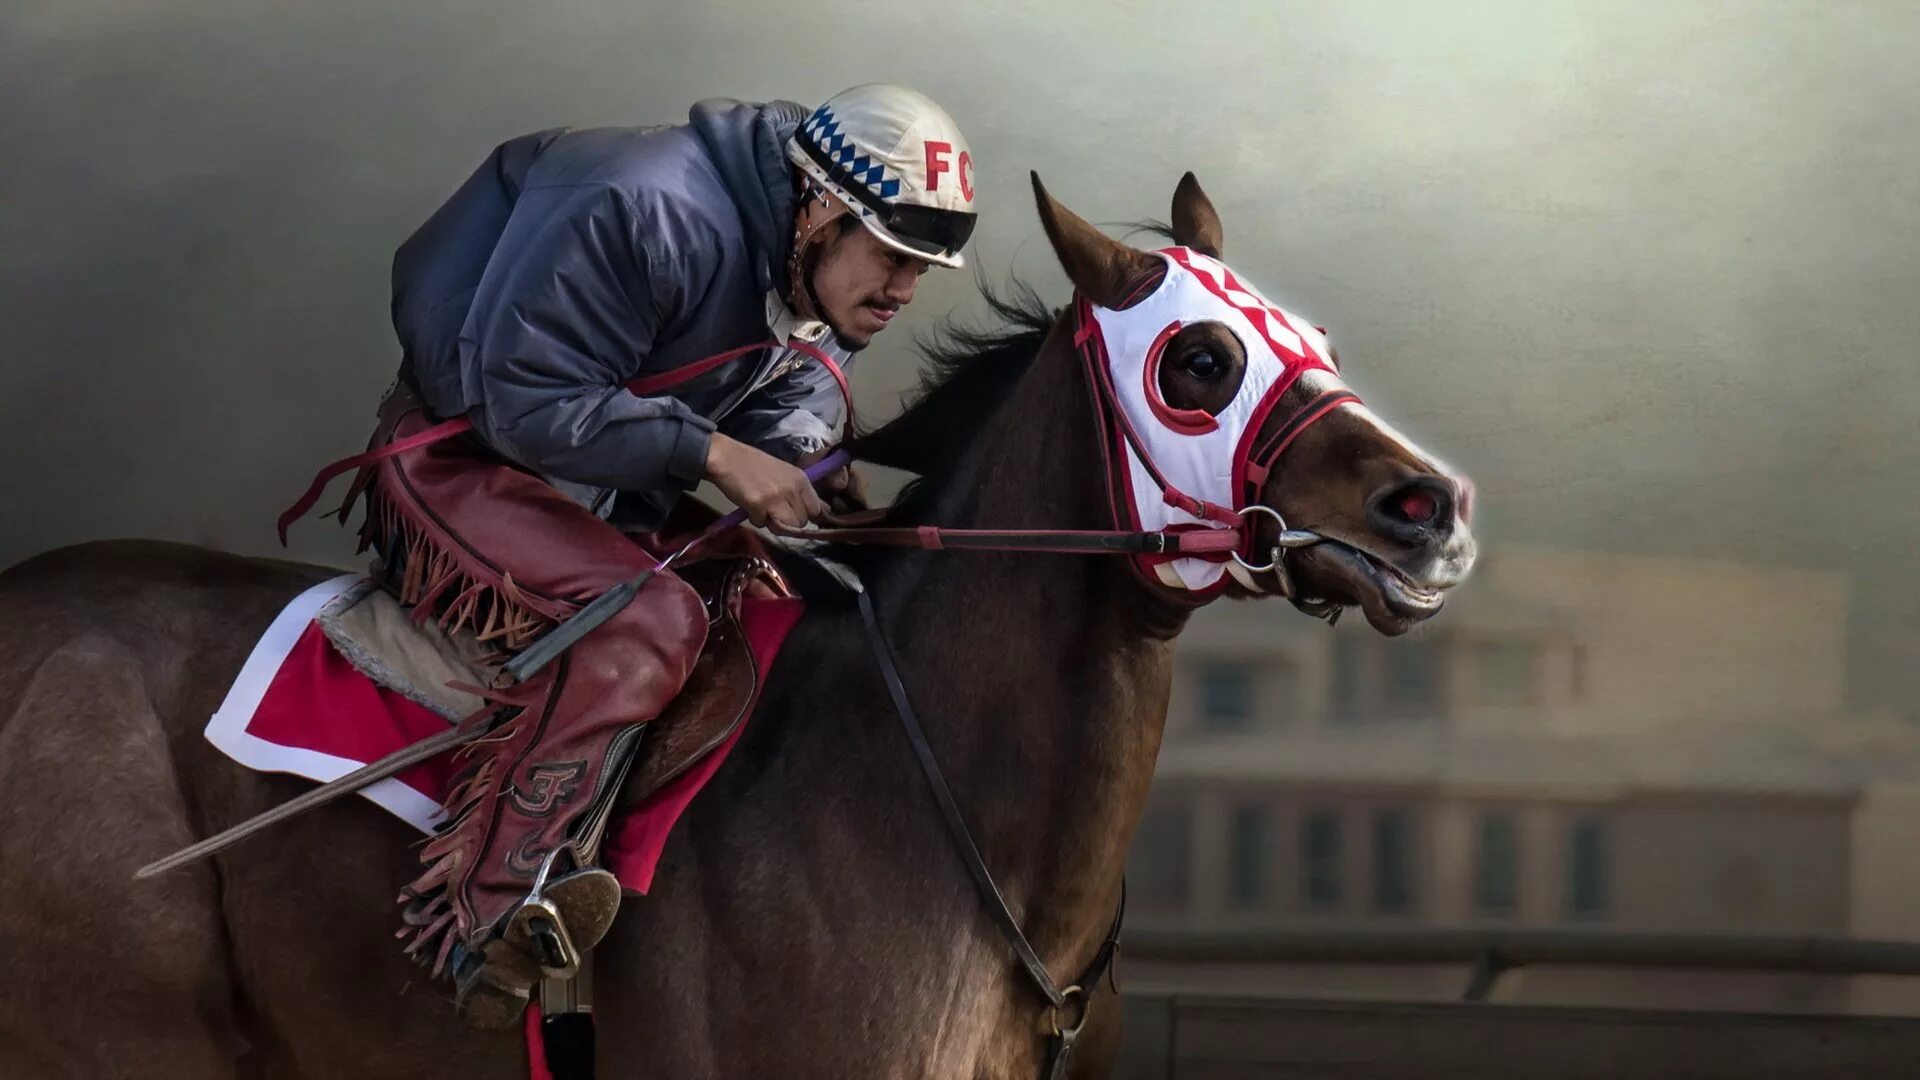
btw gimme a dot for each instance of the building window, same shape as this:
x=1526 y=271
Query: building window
x=1506 y=670
x=1349 y=679
x=1248 y=847
x=1412 y=682
x=1157 y=865
x=1279 y=688
x=1320 y=860
x=1496 y=873
x=1226 y=697
x=1587 y=870
x=1392 y=863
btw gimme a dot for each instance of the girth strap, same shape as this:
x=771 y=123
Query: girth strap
x=995 y=902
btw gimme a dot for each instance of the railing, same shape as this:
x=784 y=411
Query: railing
x=1491 y=952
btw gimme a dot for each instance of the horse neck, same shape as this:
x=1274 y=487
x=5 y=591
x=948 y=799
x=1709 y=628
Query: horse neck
x=1042 y=679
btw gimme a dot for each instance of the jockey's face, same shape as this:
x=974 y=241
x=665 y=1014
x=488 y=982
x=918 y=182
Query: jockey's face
x=859 y=283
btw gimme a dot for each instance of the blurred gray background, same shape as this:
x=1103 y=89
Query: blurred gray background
x=1647 y=271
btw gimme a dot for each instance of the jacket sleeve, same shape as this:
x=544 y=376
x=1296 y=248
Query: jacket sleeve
x=797 y=413
x=566 y=314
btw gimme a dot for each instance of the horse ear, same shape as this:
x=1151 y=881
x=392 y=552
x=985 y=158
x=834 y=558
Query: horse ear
x=1195 y=225
x=1102 y=268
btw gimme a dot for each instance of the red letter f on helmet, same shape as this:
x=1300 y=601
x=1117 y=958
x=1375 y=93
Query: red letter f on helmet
x=937 y=162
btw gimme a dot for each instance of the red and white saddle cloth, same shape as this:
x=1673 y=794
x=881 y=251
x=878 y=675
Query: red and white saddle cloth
x=300 y=706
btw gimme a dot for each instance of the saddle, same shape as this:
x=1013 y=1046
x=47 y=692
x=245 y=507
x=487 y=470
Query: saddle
x=441 y=670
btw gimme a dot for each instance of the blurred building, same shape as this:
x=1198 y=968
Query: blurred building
x=1579 y=739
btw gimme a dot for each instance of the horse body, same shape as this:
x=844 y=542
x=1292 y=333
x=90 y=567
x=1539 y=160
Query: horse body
x=810 y=917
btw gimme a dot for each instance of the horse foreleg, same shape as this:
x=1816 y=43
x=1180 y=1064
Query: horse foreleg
x=103 y=977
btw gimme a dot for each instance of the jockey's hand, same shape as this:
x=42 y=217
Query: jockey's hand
x=845 y=488
x=768 y=489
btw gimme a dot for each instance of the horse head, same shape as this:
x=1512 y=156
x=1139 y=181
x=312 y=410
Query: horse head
x=1221 y=410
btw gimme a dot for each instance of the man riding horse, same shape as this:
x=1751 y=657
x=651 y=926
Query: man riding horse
x=570 y=277
x=830 y=909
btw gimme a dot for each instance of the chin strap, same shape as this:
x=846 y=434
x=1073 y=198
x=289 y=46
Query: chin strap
x=817 y=211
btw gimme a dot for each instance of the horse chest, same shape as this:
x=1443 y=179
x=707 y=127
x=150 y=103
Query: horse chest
x=982 y=1030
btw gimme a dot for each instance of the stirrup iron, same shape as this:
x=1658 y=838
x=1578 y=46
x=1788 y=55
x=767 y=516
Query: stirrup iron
x=562 y=919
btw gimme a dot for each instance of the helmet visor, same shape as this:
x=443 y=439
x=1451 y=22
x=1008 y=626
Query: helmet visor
x=928 y=229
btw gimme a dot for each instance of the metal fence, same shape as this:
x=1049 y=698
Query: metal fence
x=1491 y=952
x=1181 y=1036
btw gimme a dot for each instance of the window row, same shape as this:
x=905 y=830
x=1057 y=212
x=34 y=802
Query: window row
x=1373 y=680
x=1324 y=870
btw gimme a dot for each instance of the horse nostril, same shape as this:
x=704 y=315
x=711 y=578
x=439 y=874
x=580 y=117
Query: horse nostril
x=1418 y=507
x=1416 y=511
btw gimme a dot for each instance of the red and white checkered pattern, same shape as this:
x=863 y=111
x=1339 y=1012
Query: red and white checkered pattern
x=1287 y=335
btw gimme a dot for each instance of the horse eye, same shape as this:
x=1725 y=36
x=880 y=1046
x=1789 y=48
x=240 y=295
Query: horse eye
x=1202 y=364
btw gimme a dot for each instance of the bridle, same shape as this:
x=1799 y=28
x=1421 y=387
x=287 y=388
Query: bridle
x=1231 y=533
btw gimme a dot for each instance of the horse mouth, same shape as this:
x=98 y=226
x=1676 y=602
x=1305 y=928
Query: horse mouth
x=1393 y=603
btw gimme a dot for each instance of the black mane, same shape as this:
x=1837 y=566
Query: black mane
x=966 y=373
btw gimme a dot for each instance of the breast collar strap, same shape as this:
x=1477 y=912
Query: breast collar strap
x=1067 y=1006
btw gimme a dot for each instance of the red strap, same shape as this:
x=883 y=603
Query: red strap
x=1087 y=328
x=833 y=369
x=647 y=385
x=1296 y=424
x=434 y=434
x=1199 y=508
x=1207 y=540
x=653 y=384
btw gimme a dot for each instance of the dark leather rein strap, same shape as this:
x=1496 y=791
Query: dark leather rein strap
x=1202 y=542
x=1060 y=1000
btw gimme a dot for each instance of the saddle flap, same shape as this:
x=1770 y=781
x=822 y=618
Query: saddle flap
x=720 y=690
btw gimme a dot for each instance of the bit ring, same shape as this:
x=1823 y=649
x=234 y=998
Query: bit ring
x=1273 y=561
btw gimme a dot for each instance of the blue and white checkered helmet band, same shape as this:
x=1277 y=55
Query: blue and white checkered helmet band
x=824 y=129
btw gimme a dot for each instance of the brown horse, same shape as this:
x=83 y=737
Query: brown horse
x=810 y=917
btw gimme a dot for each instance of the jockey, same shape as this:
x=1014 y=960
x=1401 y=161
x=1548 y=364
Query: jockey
x=570 y=264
